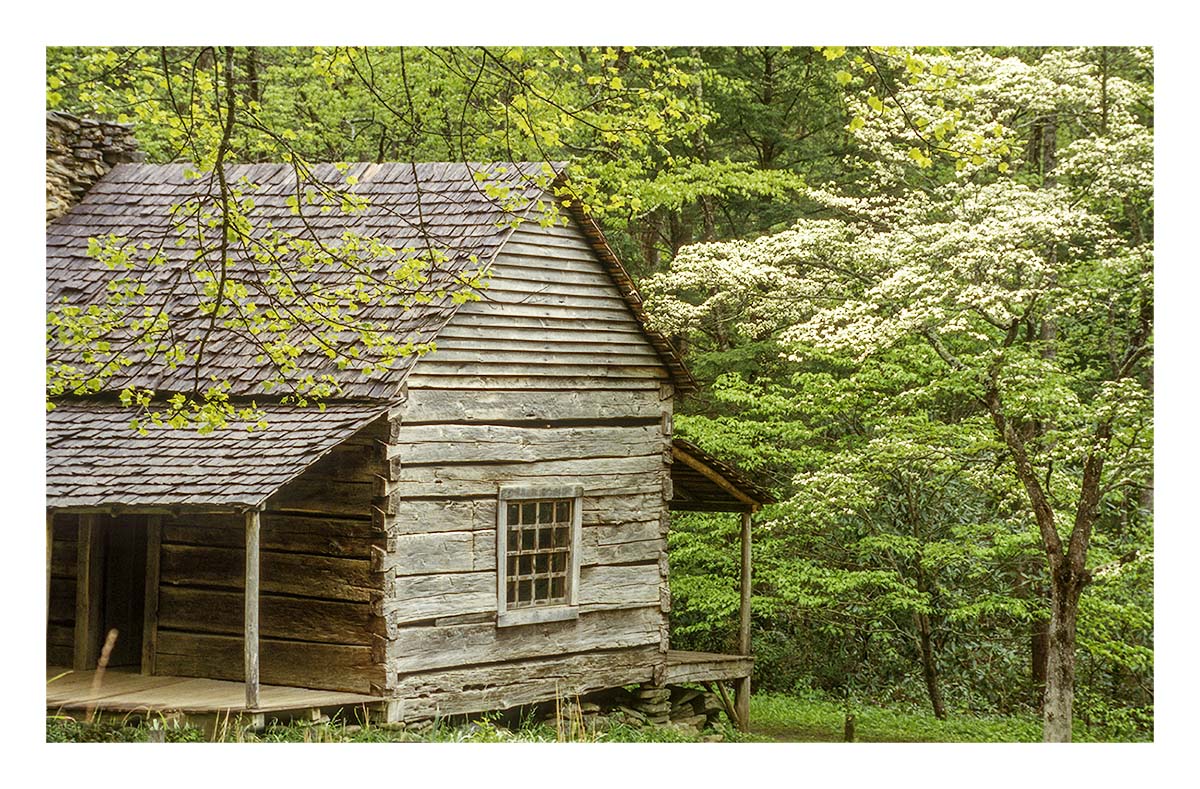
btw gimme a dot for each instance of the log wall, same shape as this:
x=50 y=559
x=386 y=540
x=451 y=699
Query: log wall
x=60 y=627
x=322 y=543
x=549 y=381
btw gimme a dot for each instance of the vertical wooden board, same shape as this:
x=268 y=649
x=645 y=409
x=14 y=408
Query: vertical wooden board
x=150 y=621
x=88 y=590
x=250 y=643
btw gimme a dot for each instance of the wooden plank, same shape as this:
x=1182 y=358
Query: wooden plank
x=62 y=601
x=324 y=496
x=606 y=587
x=420 y=597
x=221 y=611
x=540 y=338
x=350 y=538
x=282 y=573
x=623 y=552
x=88 y=590
x=64 y=558
x=688 y=667
x=429 y=647
x=474 y=382
x=428 y=553
x=615 y=311
x=504 y=686
x=500 y=321
x=250 y=643
x=491 y=443
x=431 y=405
x=432 y=365
x=607 y=519
x=150 y=611
x=301 y=663
x=571 y=472
x=495 y=355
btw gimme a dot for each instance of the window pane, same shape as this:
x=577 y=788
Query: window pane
x=542 y=563
x=564 y=512
x=543 y=538
x=560 y=537
x=527 y=539
x=526 y=566
x=529 y=512
x=541 y=589
x=514 y=514
x=545 y=512
x=525 y=591
x=558 y=587
x=560 y=563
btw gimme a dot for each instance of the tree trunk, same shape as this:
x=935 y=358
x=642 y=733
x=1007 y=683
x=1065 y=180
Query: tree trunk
x=1060 y=663
x=930 y=667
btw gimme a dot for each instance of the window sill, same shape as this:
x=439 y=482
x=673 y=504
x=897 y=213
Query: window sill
x=533 y=616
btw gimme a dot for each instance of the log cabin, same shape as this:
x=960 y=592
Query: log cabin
x=476 y=528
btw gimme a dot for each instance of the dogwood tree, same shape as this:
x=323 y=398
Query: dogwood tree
x=1002 y=219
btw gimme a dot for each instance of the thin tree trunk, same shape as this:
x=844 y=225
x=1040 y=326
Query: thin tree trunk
x=929 y=666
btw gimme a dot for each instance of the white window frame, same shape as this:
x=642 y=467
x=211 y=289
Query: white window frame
x=540 y=613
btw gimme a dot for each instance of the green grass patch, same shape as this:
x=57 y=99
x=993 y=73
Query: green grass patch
x=781 y=718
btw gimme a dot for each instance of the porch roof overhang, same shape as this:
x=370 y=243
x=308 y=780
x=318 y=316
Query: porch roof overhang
x=96 y=462
x=703 y=483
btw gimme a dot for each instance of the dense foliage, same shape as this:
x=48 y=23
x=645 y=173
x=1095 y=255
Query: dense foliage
x=916 y=282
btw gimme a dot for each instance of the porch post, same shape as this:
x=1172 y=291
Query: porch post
x=88 y=590
x=251 y=620
x=742 y=689
x=49 y=558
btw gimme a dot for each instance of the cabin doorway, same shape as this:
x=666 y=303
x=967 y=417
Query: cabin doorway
x=124 y=584
x=115 y=573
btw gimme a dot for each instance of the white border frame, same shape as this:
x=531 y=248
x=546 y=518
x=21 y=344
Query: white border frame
x=548 y=613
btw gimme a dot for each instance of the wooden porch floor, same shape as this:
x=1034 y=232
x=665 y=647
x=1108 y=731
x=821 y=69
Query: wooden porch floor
x=127 y=692
x=685 y=667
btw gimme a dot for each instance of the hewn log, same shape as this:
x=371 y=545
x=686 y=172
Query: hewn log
x=433 y=405
x=298 y=619
x=282 y=573
x=339 y=537
x=429 y=378
x=430 y=647
x=492 y=443
x=420 y=597
x=603 y=587
x=440 y=552
x=503 y=686
x=324 y=496
x=296 y=663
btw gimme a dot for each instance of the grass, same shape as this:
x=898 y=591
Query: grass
x=780 y=718
x=774 y=718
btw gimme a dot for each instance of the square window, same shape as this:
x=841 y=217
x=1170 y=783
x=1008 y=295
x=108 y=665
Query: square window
x=537 y=560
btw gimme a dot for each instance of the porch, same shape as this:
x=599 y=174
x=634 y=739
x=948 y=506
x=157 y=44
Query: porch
x=80 y=693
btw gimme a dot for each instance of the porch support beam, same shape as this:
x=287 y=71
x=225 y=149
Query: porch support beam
x=251 y=619
x=742 y=688
x=89 y=567
x=153 y=574
x=49 y=558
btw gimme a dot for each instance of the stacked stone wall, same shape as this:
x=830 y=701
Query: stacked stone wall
x=79 y=151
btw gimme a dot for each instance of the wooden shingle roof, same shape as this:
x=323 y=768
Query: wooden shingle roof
x=411 y=206
x=94 y=459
